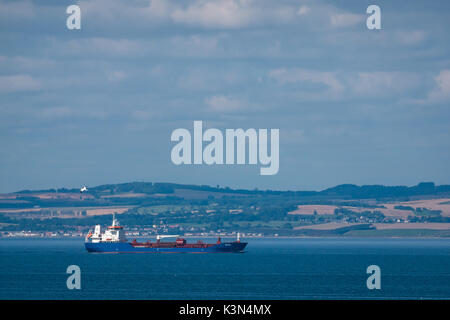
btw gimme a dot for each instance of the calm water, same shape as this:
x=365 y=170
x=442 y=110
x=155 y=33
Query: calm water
x=270 y=269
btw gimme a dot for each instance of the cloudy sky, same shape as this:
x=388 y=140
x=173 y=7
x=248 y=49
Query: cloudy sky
x=98 y=105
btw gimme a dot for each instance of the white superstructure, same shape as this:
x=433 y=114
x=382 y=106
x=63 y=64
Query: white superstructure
x=113 y=233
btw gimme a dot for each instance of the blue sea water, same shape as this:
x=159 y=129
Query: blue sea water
x=269 y=269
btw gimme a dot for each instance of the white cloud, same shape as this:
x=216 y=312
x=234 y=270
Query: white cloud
x=328 y=79
x=303 y=10
x=18 y=83
x=443 y=81
x=142 y=114
x=340 y=20
x=194 y=45
x=17 y=9
x=385 y=83
x=293 y=136
x=410 y=37
x=159 y=8
x=96 y=46
x=222 y=103
x=205 y=78
x=26 y=63
x=339 y=85
x=119 y=46
x=55 y=113
x=442 y=89
x=116 y=76
x=112 y=11
x=220 y=13
x=230 y=14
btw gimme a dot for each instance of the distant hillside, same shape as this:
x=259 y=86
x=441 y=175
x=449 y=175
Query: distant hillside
x=380 y=191
x=344 y=191
x=192 y=209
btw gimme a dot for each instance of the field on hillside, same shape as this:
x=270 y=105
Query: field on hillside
x=327 y=226
x=64 y=212
x=310 y=209
x=389 y=209
x=442 y=204
x=419 y=225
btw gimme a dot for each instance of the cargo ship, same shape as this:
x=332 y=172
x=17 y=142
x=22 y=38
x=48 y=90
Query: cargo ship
x=113 y=240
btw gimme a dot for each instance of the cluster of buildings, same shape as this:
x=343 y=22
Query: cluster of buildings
x=133 y=233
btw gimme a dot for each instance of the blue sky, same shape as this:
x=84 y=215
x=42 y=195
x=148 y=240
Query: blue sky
x=98 y=105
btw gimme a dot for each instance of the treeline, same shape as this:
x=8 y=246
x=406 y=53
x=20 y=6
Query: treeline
x=352 y=191
x=344 y=191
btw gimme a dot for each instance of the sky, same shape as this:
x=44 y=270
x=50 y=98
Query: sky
x=98 y=105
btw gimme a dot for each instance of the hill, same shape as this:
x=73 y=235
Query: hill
x=201 y=209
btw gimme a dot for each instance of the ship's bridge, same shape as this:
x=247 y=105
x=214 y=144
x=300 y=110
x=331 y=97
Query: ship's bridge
x=114 y=233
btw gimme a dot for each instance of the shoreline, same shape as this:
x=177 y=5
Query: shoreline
x=250 y=237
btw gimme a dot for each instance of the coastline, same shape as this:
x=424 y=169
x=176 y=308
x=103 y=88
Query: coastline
x=249 y=237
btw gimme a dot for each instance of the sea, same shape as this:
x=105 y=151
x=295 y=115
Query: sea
x=271 y=268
